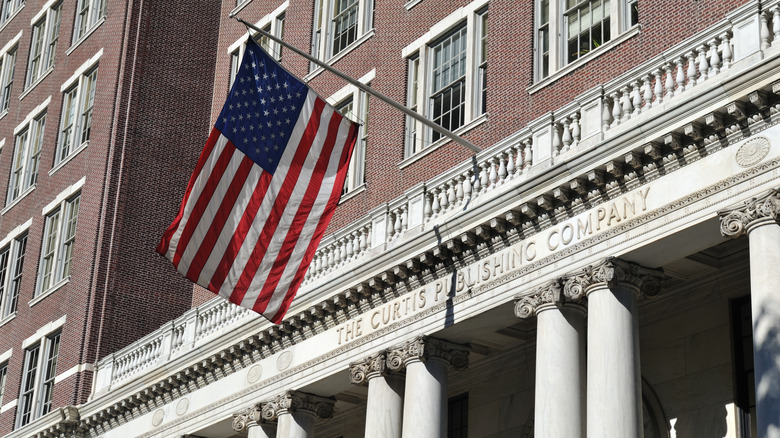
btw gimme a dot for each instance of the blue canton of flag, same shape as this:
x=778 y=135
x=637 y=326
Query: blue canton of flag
x=263 y=191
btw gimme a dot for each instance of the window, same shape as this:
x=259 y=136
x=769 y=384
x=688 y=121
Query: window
x=3 y=378
x=582 y=26
x=11 y=266
x=273 y=24
x=7 y=64
x=458 y=416
x=88 y=14
x=76 y=119
x=45 y=34
x=355 y=108
x=9 y=8
x=338 y=24
x=59 y=235
x=40 y=367
x=447 y=76
x=26 y=160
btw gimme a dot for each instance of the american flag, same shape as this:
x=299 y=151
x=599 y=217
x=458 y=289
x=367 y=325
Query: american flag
x=263 y=191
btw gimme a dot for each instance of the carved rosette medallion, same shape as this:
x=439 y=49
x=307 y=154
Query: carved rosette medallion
x=360 y=372
x=549 y=294
x=425 y=348
x=738 y=220
x=752 y=151
x=613 y=272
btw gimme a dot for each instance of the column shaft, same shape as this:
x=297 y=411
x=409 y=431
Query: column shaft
x=384 y=409
x=297 y=424
x=765 y=306
x=425 y=401
x=614 y=384
x=559 y=409
x=255 y=430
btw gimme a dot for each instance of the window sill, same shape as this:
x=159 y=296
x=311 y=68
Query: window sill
x=86 y=35
x=8 y=318
x=352 y=193
x=8 y=20
x=316 y=72
x=49 y=291
x=67 y=159
x=239 y=7
x=584 y=60
x=442 y=141
x=8 y=406
x=18 y=199
x=3 y=113
x=36 y=82
x=412 y=3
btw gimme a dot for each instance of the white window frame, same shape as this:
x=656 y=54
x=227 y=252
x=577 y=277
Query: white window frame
x=356 y=174
x=73 y=115
x=16 y=243
x=9 y=9
x=8 y=57
x=556 y=28
x=323 y=28
x=26 y=159
x=45 y=27
x=3 y=379
x=90 y=14
x=272 y=23
x=56 y=253
x=419 y=56
x=42 y=375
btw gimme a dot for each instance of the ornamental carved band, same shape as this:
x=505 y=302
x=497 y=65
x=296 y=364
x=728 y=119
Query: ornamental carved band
x=610 y=273
x=361 y=371
x=528 y=306
x=426 y=348
x=737 y=220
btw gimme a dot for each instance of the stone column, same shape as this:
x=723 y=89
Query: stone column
x=251 y=420
x=384 y=409
x=425 y=401
x=295 y=413
x=559 y=407
x=758 y=218
x=614 y=385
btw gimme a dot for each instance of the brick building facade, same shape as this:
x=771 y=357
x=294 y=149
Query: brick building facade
x=604 y=267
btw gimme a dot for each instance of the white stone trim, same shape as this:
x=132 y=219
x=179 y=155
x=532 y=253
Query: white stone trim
x=65 y=194
x=2 y=142
x=261 y=23
x=81 y=70
x=42 y=12
x=44 y=331
x=11 y=43
x=4 y=356
x=80 y=368
x=10 y=405
x=12 y=235
x=452 y=20
x=33 y=114
x=350 y=89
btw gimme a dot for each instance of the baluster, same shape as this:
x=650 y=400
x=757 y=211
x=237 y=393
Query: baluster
x=350 y=244
x=647 y=92
x=616 y=109
x=519 y=162
x=714 y=57
x=459 y=192
x=528 y=156
x=764 y=30
x=365 y=238
x=775 y=24
x=451 y=197
x=704 y=66
x=331 y=256
x=502 y=172
x=317 y=263
x=467 y=186
x=728 y=54
x=444 y=202
x=510 y=161
x=428 y=207
x=404 y=218
x=390 y=226
x=658 y=87
x=436 y=205
x=606 y=115
x=691 y=70
x=637 y=98
x=484 y=181
x=679 y=78
x=626 y=107
x=356 y=242
x=556 y=140
x=397 y=227
x=342 y=254
x=669 y=82
x=575 y=130
x=566 y=136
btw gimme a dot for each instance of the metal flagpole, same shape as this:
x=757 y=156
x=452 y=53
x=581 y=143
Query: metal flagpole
x=441 y=130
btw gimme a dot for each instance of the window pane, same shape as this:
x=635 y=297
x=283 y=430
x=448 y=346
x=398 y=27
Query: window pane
x=49 y=245
x=17 y=168
x=54 y=34
x=88 y=101
x=449 y=78
x=345 y=14
x=69 y=236
x=7 y=79
x=28 y=384
x=49 y=372
x=35 y=144
x=36 y=51
x=3 y=378
x=68 y=116
x=16 y=280
x=4 y=257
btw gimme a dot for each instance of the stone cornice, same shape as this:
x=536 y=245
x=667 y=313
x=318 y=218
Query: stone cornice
x=360 y=372
x=425 y=348
x=614 y=272
x=740 y=219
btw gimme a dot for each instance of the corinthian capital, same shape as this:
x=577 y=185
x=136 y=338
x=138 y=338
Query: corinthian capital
x=361 y=371
x=738 y=220
x=251 y=414
x=548 y=294
x=610 y=273
x=426 y=348
x=297 y=401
